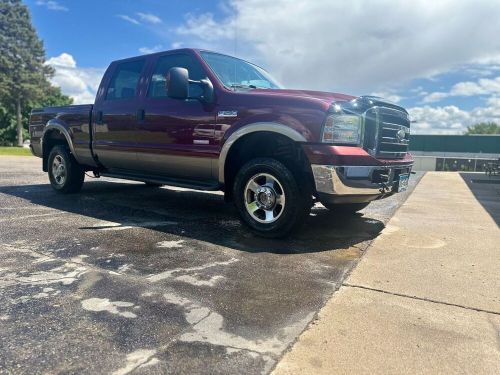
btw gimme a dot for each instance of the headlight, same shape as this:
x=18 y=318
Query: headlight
x=342 y=129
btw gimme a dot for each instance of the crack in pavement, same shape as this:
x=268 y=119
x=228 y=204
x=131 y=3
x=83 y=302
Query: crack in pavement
x=420 y=298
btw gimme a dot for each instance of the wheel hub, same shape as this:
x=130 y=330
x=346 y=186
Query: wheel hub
x=266 y=197
x=59 y=170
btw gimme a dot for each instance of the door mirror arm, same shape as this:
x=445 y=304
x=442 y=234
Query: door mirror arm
x=208 y=90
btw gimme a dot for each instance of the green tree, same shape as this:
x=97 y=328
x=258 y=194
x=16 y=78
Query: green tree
x=8 y=126
x=483 y=128
x=24 y=76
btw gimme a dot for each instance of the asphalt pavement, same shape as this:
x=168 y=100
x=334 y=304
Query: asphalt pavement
x=123 y=278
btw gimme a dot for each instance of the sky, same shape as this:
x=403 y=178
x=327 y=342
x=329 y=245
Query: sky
x=440 y=59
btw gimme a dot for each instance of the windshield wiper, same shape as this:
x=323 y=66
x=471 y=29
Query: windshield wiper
x=239 y=86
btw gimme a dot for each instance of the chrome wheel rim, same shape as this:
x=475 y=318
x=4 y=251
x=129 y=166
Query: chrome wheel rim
x=264 y=198
x=59 y=170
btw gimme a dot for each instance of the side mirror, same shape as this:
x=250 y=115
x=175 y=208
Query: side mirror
x=178 y=83
x=178 y=86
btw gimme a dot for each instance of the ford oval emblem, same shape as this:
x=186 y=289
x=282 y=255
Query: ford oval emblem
x=401 y=134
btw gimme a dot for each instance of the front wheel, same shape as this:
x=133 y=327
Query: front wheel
x=65 y=174
x=346 y=208
x=269 y=198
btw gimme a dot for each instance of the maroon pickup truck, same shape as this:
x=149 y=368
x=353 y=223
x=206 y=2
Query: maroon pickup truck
x=207 y=121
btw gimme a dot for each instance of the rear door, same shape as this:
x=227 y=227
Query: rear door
x=176 y=137
x=115 y=115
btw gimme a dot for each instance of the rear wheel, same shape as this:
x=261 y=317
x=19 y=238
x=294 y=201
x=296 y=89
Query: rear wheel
x=269 y=198
x=345 y=207
x=65 y=174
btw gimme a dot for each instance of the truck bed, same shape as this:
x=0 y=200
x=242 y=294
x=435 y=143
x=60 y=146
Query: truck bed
x=74 y=118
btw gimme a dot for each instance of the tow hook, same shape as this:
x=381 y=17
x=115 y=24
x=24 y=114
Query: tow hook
x=384 y=188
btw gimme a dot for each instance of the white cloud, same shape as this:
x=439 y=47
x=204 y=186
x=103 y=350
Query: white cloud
x=149 y=18
x=359 y=47
x=79 y=83
x=491 y=112
x=147 y=50
x=438 y=120
x=64 y=60
x=434 y=97
x=128 y=19
x=389 y=96
x=205 y=27
x=176 y=45
x=141 y=18
x=466 y=89
x=483 y=86
x=451 y=119
x=52 y=5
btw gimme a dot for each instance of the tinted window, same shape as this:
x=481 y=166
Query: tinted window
x=125 y=79
x=158 y=88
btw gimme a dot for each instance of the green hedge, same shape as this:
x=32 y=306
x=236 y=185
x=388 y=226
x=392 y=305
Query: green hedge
x=489 y=144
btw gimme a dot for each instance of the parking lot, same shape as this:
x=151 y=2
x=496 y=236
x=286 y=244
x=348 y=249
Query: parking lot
x=125 y=278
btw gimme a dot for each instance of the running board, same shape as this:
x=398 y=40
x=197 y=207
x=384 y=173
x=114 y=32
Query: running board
x=189 y=184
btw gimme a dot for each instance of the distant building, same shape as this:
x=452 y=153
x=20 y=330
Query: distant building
x=454 y=152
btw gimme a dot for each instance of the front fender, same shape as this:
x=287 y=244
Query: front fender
x=273 y=127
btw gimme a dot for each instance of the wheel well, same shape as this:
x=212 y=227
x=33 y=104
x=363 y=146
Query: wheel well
x=52 y=138
x=266 y=144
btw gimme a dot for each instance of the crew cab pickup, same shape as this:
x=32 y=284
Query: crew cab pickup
x=204 y=120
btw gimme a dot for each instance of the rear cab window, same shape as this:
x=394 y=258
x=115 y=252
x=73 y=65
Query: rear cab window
x=125 y=80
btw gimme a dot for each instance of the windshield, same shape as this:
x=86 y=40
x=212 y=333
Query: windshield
x=236 y=73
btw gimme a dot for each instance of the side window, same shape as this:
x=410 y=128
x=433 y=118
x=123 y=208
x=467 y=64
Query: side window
x=123 y=85
x=158 y=88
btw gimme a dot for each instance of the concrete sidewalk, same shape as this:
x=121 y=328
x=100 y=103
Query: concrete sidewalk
x=424 y=299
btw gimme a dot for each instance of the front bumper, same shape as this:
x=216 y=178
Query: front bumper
x=356 y=184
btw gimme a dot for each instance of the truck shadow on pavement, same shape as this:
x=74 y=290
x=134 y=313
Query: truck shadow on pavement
x=486 y=190
x=197 y=215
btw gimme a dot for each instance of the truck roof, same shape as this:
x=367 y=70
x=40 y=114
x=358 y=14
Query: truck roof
x=186 y=49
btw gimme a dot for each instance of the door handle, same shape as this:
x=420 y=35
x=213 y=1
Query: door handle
x=98 y=117
x=141 y=114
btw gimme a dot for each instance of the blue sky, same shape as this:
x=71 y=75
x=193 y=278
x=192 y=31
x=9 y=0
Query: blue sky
x=439 y=59
x=96 y=32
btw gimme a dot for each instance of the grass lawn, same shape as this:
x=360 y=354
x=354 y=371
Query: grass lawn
x=16 y=151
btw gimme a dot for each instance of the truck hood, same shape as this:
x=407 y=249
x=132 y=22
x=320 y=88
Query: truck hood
x=327 y=97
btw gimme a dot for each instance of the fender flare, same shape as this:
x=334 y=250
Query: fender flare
x=51 y=125
x=273 y=127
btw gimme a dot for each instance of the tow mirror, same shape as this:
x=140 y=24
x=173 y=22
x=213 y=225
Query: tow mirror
x=178 y=86
x=178 y=83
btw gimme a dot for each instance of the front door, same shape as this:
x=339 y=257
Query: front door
x=175 y=138
x=115 y=117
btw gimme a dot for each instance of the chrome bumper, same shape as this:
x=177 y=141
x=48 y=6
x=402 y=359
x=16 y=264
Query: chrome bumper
x=364 y=182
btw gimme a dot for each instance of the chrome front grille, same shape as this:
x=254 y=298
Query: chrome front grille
x=387 y=132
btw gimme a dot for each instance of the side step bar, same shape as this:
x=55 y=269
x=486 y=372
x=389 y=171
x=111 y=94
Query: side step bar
x=189 y=184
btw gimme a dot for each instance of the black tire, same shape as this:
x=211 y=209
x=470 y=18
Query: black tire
x=153 y=185
x=345 y=208
x=74 y=173
x=289 y=216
